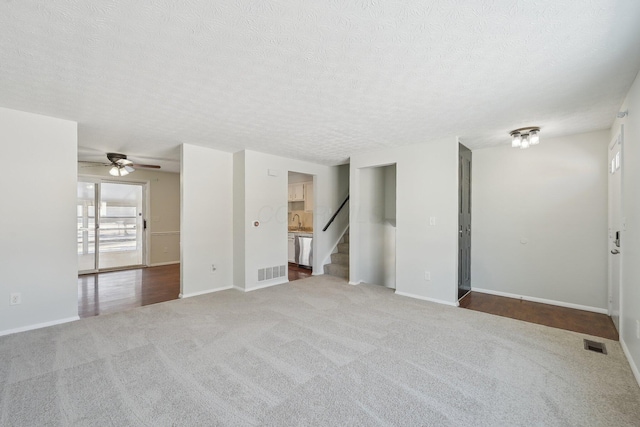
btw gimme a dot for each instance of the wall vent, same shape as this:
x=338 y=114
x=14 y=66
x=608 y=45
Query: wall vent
x=272 y=272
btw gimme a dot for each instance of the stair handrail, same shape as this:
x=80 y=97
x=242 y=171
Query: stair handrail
x=336 y=214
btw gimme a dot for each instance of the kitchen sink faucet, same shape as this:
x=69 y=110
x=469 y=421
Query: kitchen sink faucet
x=299 y=223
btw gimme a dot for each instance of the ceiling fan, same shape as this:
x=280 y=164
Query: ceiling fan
x=121 y=166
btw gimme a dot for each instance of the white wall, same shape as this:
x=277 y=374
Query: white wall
x=38 y=221
x=630 y=239
x=206 y=220
x=265 y=199
x=427 y=186
x=163 y=218
x=553 y=197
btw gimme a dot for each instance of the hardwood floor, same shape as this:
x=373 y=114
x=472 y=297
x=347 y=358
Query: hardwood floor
x=586 y=322
x=297 y=273
x=115 y=291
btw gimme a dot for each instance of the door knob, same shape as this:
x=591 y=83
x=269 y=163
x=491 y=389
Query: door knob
x=615 y=251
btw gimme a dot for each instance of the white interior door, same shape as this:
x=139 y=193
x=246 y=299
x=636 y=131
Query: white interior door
x=615 y=226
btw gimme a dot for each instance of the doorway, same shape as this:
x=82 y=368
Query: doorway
x=464 y=221
x=377 y=222
x=300 y=231
x=111 y=225
x=616 y=225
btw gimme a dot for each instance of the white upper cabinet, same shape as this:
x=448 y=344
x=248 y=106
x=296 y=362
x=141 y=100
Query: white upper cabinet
x=308 y=196
x=296 y=192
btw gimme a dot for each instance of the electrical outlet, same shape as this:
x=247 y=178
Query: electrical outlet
x=213 y=268
x=16 y=299
x=432 y=220
x=165 y=249
x=427 y=275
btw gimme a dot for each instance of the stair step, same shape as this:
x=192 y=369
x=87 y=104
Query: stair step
x=345 y=237
x=343 y=248
x=337 y=270
x=340 y=258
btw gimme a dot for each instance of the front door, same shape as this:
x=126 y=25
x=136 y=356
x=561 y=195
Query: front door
x=464 y=222
x=615 y=226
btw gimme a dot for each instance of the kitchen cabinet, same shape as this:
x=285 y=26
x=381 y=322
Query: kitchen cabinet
x=296 y=192
x=308 y=196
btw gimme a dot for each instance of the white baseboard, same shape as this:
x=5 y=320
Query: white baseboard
x=39 y=325
x=158 y=264
x=437 y=301
x=355 y=283
x=209 y=291
x=266 y=285
x=634 y=368
x=542 y=300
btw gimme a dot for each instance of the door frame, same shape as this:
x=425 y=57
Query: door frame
x=462 y=232
x=146 y=206
x=617 y=139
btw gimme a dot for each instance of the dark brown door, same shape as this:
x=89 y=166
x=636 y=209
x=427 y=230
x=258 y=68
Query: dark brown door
x=464 y=222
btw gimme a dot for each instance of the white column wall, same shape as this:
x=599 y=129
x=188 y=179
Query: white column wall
x=38 y=249
x=206 y=220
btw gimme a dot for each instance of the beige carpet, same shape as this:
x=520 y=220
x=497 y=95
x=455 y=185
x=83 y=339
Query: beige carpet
x=312 y=352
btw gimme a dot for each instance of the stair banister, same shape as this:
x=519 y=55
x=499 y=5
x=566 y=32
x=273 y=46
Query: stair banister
x=336 y=214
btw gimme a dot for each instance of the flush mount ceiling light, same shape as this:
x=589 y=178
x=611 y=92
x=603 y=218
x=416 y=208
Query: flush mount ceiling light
x=525 y=137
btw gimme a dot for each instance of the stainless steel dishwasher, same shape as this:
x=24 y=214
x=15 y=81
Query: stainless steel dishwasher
x=304 y=250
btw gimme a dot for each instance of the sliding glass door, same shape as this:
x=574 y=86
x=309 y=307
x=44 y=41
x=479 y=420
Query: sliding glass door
x=119 y=221
x=86 y=219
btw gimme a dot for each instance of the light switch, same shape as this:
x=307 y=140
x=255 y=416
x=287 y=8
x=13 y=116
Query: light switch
x=432 y=220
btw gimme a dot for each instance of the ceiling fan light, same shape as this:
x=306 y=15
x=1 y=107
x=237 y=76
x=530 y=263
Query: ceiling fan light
x=128 y=169
x=525 y=142
x=124 y=171
x=114 y=171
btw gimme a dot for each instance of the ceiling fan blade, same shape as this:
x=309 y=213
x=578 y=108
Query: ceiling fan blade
x=135 y=165
x=93 y=164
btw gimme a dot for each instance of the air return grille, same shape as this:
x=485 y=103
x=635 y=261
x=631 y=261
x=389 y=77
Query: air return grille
x=598 y=347
x=272 y=272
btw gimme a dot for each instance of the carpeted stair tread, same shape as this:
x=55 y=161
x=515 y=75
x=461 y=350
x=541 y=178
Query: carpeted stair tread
x=340 y=258
x=337 y=270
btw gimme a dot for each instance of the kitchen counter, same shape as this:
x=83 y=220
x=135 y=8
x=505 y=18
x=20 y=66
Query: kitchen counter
x=302 y=232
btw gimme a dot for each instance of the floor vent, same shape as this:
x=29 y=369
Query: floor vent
x=272 y=272
x=598 y=347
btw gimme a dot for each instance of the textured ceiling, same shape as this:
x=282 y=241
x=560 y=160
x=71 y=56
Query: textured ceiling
x=317 y=81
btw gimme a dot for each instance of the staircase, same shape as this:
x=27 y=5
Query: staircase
x=339 y=265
